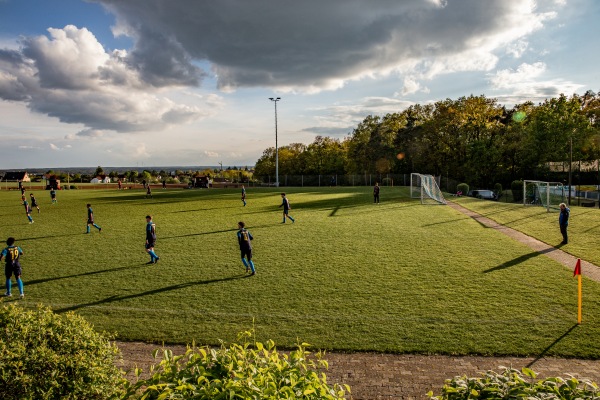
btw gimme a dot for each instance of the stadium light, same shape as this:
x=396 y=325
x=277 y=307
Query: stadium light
x=275 y=100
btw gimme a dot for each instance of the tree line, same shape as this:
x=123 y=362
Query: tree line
x=472 y=139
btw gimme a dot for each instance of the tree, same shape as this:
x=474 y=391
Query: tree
x=99 y=171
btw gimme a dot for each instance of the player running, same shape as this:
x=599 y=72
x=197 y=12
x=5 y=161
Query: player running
x=27 y=209
x=12 y=267
x=286 y=208
x=34 y=202
x=90 y=220
x=151 y=240
x=244 y=195
x=244 y=238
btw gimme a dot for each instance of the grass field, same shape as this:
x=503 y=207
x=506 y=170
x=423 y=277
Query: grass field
x=348 y=275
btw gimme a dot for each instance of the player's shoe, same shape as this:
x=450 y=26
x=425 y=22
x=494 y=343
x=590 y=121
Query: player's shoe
x=22 y=296
x=254 y=273
x=156 y=260
x=150 y=262
x=7 y=294
x=99 y=230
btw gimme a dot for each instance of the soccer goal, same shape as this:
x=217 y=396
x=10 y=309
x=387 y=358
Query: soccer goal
x=425 y=187
x=545 y=194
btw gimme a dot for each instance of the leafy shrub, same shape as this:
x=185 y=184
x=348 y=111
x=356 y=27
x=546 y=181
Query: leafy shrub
x=517 y=190
x=237 y=372
x=50 y=356
x=498 y=188
x=73 y=187
x=462 y=187
x=512 y=384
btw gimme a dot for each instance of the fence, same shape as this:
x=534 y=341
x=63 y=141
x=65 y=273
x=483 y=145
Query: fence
x=335 y=180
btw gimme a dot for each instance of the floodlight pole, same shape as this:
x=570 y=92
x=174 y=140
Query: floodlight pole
x=570 y=165
x=275 y=100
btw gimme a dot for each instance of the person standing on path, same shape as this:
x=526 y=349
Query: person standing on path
x=563 y=222
x=376 y=193
x=286 y=208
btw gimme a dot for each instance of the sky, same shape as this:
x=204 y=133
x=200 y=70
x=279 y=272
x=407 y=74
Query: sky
x=187 y=82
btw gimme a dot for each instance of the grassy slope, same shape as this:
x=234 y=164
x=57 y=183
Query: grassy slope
x=349 y=275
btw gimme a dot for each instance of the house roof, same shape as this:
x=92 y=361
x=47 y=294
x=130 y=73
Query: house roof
x=14 y=175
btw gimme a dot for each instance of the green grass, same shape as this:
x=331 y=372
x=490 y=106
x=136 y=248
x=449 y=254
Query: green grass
x=584 y=224
x=348 y=275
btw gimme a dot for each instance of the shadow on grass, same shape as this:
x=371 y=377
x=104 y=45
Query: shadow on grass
x=519 y=260
x=115 y=298
x=221 y=231
x=543 y=353
x=103 y=271
x=49 y=236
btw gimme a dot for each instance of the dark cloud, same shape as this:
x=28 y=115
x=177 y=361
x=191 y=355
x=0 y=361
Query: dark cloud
x=312 y=43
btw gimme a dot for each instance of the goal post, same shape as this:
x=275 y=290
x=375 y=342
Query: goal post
x=546 y=194
x=425 y=188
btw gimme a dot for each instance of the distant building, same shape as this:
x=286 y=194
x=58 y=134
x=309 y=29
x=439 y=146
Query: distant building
x=101 y=179
x=15 y=176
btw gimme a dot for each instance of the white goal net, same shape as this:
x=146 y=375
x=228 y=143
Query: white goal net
x=545 y=194
x=426 y=188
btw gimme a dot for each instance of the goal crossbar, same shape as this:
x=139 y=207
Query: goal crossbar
x=425 y=188
x=546 y=194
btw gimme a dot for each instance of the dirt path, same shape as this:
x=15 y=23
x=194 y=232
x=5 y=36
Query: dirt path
x=388 y=376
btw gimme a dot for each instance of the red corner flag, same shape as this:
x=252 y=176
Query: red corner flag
x=577 y=270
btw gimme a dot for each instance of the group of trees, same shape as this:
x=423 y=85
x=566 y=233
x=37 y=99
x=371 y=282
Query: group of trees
x=472 y=139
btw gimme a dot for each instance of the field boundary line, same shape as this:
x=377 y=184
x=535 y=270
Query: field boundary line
x=588 y=269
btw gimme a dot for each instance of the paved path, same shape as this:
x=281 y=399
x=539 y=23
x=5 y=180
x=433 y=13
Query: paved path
x=390 y=376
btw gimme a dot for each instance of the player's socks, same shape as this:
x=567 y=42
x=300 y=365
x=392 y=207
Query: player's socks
x=8 y=286
x=97 y=227
x=20 y=284
x=29 y=218
x=293 y=220
x=252 y=266
x=88 y=229
x=245 y=263
x=153 y=255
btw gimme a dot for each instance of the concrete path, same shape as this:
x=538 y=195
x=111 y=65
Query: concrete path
x=408 y=377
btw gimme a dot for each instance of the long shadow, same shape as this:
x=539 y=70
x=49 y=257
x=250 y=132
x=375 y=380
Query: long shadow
x=513 y=262
x=114 y=298
x=49 y=236
x=204 y=209
x=57 y=278
x=543 y=353
x=213 y=232
x=447 y=222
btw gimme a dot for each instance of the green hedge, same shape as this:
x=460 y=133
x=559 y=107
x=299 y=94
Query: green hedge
x=512 y=384
x=238 y=372
x=44 y=355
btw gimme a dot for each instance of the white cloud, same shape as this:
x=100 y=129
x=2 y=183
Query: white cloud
x=411 y=85
x=210 y=154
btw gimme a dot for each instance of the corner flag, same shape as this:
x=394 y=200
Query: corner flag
x=577 y=270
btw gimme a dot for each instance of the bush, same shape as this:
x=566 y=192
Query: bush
x=512 y=384
x=498 y=189
x=73 y=187
x=50 y=356
x=516 y=188
x=462 y=187
x=237 y=372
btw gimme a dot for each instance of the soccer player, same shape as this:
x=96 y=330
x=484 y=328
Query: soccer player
x=151 y=240
x=53 y=196
x=27 y=209
x=286 y=208
x=34 y=202
x=244 y=238
x=563 y=222
x=376 y=193
x=148 y=191
x=244 y=195
x=90 y=220
x=13 y=266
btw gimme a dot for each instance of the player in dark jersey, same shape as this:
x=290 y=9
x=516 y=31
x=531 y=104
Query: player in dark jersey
x=12 y=267
x=286 y=208
x=244 y=195
x=151 y=240
x=148 y=191
x=34 y=202
x=376 y=193
x=27 y=209
x=244 y=238
x=90 y=220
x=53 y=196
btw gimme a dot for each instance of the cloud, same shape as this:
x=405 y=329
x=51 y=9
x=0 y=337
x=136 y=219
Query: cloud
x=313 y=45
x=70 y=76
x=411 y=86
x=527 y=83
x=210 y=154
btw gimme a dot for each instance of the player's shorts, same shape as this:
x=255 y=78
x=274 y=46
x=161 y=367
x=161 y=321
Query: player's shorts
x=247 y=253
x=150 y=244
x=90 y=221
x=15 y=269
x=33 y=204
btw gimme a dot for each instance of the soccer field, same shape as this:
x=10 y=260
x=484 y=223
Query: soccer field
x=348 y=275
